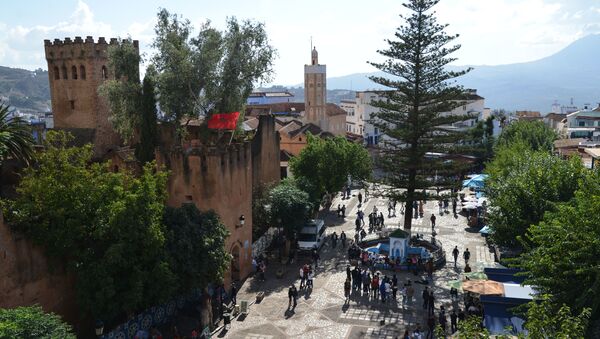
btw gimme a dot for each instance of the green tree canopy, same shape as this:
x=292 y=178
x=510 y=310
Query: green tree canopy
x=147 y=127
x=15 y=137
x=32 y=322
x=124 y=91
x=535 y=134
x=196 y=246
x=562 y=259
x=327 y=163
x=290 y=207
x=546 y=320
x=107 y=227
x=212 y=72
x=531 y=185
x=414 y=114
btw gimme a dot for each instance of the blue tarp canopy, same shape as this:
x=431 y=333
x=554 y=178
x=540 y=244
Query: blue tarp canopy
x=504 y=275
x=475 y=181
x=380 y=248
x=498 y=315
x=485 y=230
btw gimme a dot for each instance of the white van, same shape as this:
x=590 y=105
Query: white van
x=312 y=235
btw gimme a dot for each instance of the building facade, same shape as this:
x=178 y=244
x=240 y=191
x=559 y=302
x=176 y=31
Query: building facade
x=584 y=123
x=360 y=110
x=265 y=98
x=76 y=68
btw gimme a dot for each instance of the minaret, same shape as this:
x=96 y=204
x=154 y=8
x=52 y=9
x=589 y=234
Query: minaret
x=315 y=92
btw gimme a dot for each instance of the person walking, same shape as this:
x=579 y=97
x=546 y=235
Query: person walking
x=343 y=239
x=366 y=283
x=348 y=273
x=431 y=304
x=316 y=257
x=442 y=321
x=363 y=234
x=339 y=210
x=432 y=221
x=381 y=224
x=421 y=210
x=343 y=211
x=375 y=286
x=431 y=326
x=361 y=216
x=360 y=198
x=466 y=256
x=454 y=206
x=347 y=291
x=382 y=291
x=453 y=321
x=334 y=239
x=425 y=296
x=455 y=254
x=309 y=279
x=440 y=207
x=410 y=292
x=291 y=292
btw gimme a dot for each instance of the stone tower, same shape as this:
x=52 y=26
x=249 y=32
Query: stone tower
x=76 y=68
x=315 y=92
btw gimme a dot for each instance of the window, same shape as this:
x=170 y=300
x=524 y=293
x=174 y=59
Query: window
x=72 y=104
x=64 y=72
x=74 y=72
x=82 y=72
x=56 y=73
x=581 y=123
x=104 y=73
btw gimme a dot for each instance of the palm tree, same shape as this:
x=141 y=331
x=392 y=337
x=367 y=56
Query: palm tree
x=16 y=140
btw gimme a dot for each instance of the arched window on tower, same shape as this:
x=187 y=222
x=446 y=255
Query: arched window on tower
x=74 y=72
x=56 y=73
x=82 y=72
x=64 y=72
x=104 y=73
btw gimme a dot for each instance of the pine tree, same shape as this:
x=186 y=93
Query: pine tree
x=148 y=132
x=411 y=114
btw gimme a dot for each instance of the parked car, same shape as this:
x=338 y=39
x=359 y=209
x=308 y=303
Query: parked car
x=312 y=235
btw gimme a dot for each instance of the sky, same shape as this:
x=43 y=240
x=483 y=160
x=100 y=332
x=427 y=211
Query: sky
x=347 y=33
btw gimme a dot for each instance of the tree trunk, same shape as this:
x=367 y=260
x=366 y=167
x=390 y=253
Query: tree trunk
x=410 y=197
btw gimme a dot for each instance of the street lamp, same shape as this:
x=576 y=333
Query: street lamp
x=242 y=220
x=99 y=328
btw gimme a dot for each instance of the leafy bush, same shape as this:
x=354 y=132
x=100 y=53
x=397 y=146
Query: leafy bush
x=32 y=322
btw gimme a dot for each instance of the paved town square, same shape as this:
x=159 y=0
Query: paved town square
x=322 y=313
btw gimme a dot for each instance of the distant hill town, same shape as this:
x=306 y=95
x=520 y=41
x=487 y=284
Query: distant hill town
x=25 y=90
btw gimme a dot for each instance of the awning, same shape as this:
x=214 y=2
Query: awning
x=483 y=287
x=499 y=317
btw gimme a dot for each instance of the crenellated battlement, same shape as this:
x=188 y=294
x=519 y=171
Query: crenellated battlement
x=88 y=40
x=80 y=48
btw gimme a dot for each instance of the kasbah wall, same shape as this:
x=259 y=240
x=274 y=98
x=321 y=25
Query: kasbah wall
x=222 y=178
x=26 y=277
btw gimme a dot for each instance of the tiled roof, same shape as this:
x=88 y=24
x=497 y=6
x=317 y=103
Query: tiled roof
x=285 y=155
x=562 y=143
x=555 y=117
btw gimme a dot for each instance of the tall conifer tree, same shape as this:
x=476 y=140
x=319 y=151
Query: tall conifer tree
x=411 y=115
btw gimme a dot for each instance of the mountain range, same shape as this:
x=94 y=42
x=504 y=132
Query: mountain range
x=572 y=73
x=27 y=91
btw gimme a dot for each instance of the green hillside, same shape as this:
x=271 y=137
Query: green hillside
x=25 y=90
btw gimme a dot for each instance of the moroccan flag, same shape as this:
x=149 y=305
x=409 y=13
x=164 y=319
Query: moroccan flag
x=223 y=121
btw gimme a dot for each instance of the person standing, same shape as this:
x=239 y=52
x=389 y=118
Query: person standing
x=302 y=277
x=363 y=234
x=382 y=291
x=425 y=296
x=339 y=210
x=440 y=207
x=360 y=198
x=348 y=273
x=421 y=211
x=453 y=321
x=466 y=256
x=343 y=239
x=416 y=208
x=381 y=225
x=455 y=254
x=343 y=211
x=315 y=256
x=375 y=286
x=432 y=221
x=334 y=239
